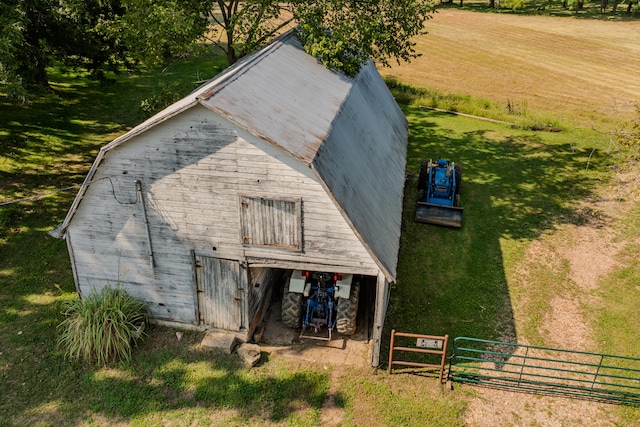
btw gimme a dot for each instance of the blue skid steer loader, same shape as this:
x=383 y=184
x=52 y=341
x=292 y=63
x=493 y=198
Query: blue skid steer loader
x=439 y=194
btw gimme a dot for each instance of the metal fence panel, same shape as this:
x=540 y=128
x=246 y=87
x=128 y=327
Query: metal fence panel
x=545 y=370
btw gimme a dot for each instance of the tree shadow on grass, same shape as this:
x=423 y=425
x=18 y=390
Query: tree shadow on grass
x=214 y=383
x=52 y=140
x=516 y=185
x=163 y=383
x=164 y=376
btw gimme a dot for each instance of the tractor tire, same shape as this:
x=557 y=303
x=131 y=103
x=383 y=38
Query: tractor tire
x=423 y=175
x=458 y=172
x=347 y=311
x=291 y=308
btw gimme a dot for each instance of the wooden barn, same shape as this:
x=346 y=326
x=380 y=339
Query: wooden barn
x=277 y=164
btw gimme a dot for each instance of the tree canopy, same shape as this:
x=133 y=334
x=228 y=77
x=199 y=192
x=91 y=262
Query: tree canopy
x=342 y=33
x=105 y=35
x=35 y=33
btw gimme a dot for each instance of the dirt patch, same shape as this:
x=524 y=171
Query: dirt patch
x=332 y=415
x=505 y=408
x=583 y=252
x=334 y=355
x=564 y=325
x=281 y=340
x=592 y=255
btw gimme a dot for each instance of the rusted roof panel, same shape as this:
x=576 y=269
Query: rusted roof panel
x=287 y=98
x=363 y=162
x=350 y=130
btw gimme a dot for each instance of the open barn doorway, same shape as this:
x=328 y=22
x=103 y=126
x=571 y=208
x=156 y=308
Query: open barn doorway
x=276 y=331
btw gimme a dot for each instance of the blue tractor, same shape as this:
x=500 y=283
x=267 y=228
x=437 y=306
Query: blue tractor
x=319 y=300
x=439 y=194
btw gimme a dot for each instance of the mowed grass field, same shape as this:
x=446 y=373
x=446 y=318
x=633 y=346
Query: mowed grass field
x=550 y=217
x=495 y=278
x=580 y=72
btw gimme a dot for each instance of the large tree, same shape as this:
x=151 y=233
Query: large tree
x=159 y=31
x=101 y=35
x=93 y=35
x=342 y=33
x=241 y=27
x=36 y=33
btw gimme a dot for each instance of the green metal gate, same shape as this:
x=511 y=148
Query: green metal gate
x=545 y=370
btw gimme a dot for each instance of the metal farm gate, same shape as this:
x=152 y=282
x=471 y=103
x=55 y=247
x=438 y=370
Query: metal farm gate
x=544 y=370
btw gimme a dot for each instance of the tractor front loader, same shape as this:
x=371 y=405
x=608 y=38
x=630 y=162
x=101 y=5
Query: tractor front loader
x=439 y=194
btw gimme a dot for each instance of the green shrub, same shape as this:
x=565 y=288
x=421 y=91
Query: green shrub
x=629 y=138
x=166 y=95
x=102 y=327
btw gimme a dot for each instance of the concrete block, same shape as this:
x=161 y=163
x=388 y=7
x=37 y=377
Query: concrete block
x=250 y=354
x=224 y=341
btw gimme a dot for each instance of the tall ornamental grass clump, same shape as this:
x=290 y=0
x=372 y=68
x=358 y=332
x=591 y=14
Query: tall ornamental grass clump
x=103 y=327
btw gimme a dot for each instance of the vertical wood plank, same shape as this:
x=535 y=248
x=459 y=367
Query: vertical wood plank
x=382 y=299
x=196 y=307
x=220 y=299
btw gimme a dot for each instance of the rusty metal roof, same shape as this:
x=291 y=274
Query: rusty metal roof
x=350 y=131
x=362 y=163
x=282 y=96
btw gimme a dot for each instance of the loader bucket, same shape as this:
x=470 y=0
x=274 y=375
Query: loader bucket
x=449 y=216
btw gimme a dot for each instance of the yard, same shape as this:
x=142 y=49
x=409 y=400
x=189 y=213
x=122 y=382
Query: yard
x=547 y=253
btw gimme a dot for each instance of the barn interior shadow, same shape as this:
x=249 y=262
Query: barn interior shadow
x=515 y=186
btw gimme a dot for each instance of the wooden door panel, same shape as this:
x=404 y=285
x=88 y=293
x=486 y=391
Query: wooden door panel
x=219 y=299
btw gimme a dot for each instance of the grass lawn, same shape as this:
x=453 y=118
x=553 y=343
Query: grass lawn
x=49 y=144
x=518 y=187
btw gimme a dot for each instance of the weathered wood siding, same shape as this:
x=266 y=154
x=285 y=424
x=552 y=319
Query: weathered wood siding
x=271 y=223
x=194 y=169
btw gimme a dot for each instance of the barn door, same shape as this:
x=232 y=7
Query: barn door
x=219 y=292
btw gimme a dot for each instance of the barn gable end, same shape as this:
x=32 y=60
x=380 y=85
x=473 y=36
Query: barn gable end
x=194 y=172
x=275 y=163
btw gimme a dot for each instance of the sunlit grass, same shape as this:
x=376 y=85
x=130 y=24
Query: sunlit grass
x=613 y=310
x=399 y=399
x=517 y=185
x=53 y=141
x=616 y=316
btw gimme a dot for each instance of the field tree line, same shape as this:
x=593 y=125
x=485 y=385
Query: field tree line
x=108 y=36
x=541 y=5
